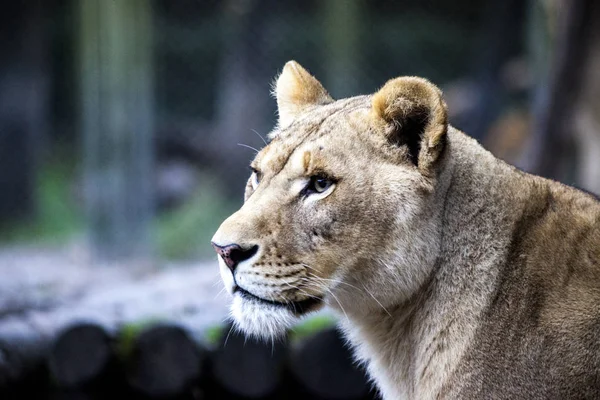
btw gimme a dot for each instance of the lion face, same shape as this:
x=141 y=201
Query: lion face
x=334 y=207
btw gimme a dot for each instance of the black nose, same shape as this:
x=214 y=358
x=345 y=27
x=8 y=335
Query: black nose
x=233 y=254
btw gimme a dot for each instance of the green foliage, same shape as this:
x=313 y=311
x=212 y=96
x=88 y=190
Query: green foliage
x=303 y=329
x=311 y=325
x=214 y=334
x=185 y=232
x=129 y=333
x=57 y=216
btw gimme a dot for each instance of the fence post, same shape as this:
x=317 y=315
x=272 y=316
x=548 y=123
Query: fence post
x=342 y=30
x=24 y=104
x=115 y=39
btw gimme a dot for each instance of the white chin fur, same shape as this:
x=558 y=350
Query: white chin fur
x=260 y=320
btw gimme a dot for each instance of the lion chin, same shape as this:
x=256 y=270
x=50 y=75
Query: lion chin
x=262 y=321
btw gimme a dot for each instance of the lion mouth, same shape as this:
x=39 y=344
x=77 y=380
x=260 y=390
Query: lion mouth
x=296 y=307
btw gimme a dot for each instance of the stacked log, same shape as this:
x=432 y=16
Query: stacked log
x=153 y=360
x=161 y=360
x=324 y=367
x=21 y=350
x=80 y=354
x=247 y=368
x=107 y=333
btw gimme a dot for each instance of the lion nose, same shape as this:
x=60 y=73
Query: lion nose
x=233 y=254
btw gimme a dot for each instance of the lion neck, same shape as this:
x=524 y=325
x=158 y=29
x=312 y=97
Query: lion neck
x=413 y=348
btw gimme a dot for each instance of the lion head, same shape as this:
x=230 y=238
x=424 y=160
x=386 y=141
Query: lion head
x=339 y=209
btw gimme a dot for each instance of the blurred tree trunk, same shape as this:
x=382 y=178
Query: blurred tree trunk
x=587 y=115
x=496 y=47
x=243 y=89
x=24 y=71
x=563 y=90
x=116 y=99
x=342 y=33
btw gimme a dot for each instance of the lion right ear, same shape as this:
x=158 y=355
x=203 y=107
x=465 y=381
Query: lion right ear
x=414 y=115
x=296 y=90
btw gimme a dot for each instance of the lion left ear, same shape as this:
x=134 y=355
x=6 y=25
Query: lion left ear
x=297 y=90
x=414 y=115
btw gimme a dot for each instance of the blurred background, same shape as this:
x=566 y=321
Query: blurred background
x=126 y=127
x=120 y=121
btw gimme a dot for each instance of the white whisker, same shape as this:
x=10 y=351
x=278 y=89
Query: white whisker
x=260 y=136
x=330 y=292
x=374 y=298
x=220 y=292
x=347 y=284
x=217 y=280
x=227 y=337
x=338 y=301
x=302 y=291
x=335 y=281
x=272 y=345
x=309 y=267
x=245 y=145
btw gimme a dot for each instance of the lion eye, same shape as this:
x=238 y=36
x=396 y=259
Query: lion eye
x=255 y=179
x=322 y=184
x=318 y=184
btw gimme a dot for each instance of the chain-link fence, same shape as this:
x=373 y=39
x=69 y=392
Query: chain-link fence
x=211 y=65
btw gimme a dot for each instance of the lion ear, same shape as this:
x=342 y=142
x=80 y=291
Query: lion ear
x=414 y=115
x=296 y=90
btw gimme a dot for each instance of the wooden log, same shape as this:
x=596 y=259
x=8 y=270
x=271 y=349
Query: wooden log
x=22 y=349
x=36 y=386
x=160 y=360
x=323 y=364
x=185 y=296
x=79 y=355
x=244 y=368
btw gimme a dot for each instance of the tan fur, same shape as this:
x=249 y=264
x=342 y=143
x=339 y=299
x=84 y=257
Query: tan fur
x=455 y=275
x=402 y=98
x=296 y=90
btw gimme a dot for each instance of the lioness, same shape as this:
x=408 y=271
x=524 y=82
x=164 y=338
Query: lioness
x=455 y=275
